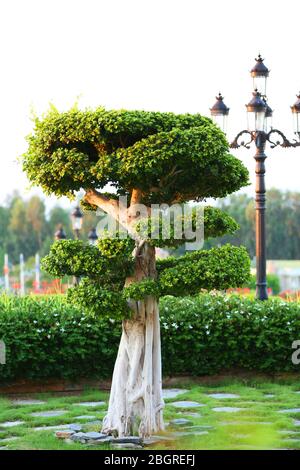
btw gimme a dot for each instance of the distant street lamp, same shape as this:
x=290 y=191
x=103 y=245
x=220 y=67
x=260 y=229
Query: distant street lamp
x=92 y=236
x=260 y=132
x=220 y=112
x=60 y=234
x=77 y=219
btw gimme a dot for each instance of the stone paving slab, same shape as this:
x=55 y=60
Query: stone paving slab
x=180 y=422
x=191 y=414
x=90 y=403
x=11 y=424
x=75 y=427
x=127 y=445
x=87 y=417
x=222 y=396
x=9 y=439
x=186 y=404
x=291 y=410
x=227 y=409
x=28 y=402
x=50 y=428
x=48 y=414
x=173 y=392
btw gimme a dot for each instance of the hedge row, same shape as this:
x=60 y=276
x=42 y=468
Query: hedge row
x=207 y=334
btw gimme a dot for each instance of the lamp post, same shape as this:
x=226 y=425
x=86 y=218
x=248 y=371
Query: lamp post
x=260 y=132
x=92 y=236
x=60 y=234
x=77 y=219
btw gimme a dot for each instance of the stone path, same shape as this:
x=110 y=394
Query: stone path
x=180 y=421
x=50 y=428
x=48 y=414
x=173 y=392
x=91 y=404
x=186 y=422
x=221 y=396
x=9 y=439
x=28 y=402
x=85 y=417
x=227 y=409
x=186 y=404
x=291 y=410
x=11 y=424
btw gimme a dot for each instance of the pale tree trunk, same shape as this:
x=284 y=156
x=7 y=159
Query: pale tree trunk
x=136 y=403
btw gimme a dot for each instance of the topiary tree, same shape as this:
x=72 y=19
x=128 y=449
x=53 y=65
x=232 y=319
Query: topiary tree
x=151 y=158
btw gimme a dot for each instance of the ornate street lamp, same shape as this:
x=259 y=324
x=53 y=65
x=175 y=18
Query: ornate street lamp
x=219 y=112
x=60 y=234
x=268 y=118
x=296 y=114
x=260 y=73
x=77 y=219
x=256 y=110
x=260 y=132
x=93 y=237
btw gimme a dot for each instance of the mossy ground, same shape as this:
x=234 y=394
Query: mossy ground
x=257 y=426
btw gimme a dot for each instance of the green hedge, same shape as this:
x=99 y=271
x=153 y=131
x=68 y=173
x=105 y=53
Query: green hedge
x=47 y=338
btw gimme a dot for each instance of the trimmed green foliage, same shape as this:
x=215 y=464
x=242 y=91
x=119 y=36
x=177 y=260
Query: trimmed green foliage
x=139 y=290
x=218 y=268
x=105 y=268
x=46 y=337
x=168 y=156
x=97 y=300
x=169 y=159
x=109 y=264
x=214 y=221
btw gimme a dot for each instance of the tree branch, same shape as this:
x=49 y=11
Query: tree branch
x=136 y=196
x=110 y=206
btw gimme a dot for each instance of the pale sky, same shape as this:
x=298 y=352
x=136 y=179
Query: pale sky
x=161 y=55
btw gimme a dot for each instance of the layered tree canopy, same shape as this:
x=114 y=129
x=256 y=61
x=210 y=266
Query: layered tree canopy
x=162 y=158
x=170 y=158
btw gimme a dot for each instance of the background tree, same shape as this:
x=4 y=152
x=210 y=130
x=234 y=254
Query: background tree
x=282 y=223
x=150 y=158
x=35 y=217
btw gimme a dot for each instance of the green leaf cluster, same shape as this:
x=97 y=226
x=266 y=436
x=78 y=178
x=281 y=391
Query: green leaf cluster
x=104 y=268
x=108 y=264
x=97 y=300
x=219 y=268
x=140 y=290
x=215 y=223
x=169 y=157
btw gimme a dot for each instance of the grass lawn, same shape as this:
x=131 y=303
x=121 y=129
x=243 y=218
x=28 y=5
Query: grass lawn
x=255 y=423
